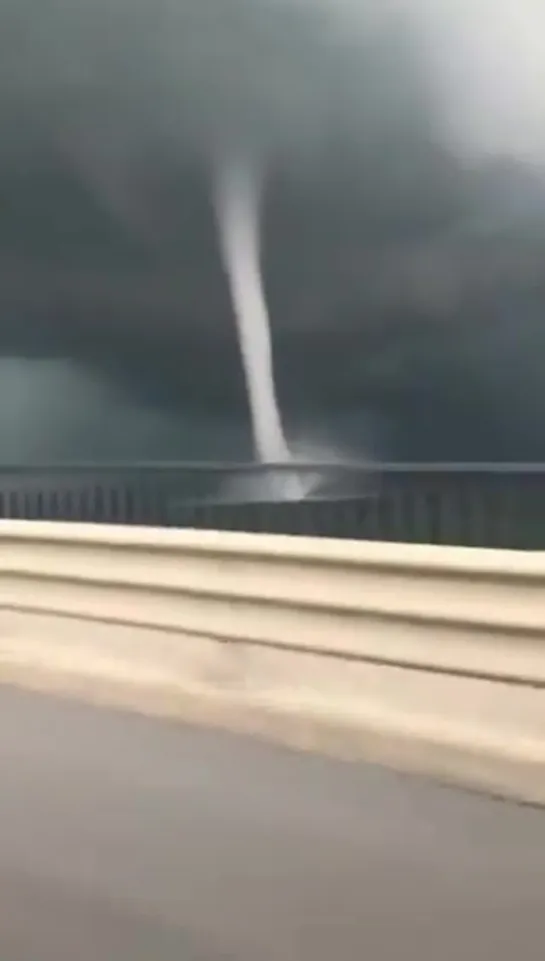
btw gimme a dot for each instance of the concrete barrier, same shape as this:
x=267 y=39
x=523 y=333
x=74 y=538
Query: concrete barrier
x=424 y=658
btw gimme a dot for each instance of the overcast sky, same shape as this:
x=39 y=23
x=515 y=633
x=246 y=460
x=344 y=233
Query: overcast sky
x=486 y=57
x=489 y=59
x=484 y=64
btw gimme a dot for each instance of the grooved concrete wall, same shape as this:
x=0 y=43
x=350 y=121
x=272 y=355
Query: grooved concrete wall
x=425 y=658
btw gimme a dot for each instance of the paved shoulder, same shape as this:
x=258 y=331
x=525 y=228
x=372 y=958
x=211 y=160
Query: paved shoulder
x=124 y=839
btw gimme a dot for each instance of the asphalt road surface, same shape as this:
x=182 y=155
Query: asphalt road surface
x=125 y=839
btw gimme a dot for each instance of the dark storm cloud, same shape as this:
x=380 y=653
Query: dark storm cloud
x=403 y=223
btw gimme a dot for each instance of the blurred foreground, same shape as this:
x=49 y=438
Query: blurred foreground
x=125 y=839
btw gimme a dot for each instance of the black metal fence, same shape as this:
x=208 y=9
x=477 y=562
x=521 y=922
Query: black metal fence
x=475 y=505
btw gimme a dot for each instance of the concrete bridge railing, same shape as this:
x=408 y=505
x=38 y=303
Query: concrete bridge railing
x=429 y=659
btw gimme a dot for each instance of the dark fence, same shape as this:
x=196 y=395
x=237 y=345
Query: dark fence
x=475 y=505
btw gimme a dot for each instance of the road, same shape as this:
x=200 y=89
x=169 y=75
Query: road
x=128 y=839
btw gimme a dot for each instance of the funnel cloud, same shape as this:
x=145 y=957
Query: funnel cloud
x=383 y=267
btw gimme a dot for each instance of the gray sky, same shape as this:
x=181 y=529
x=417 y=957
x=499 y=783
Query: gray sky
x=486 y=60
x=485 y=65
